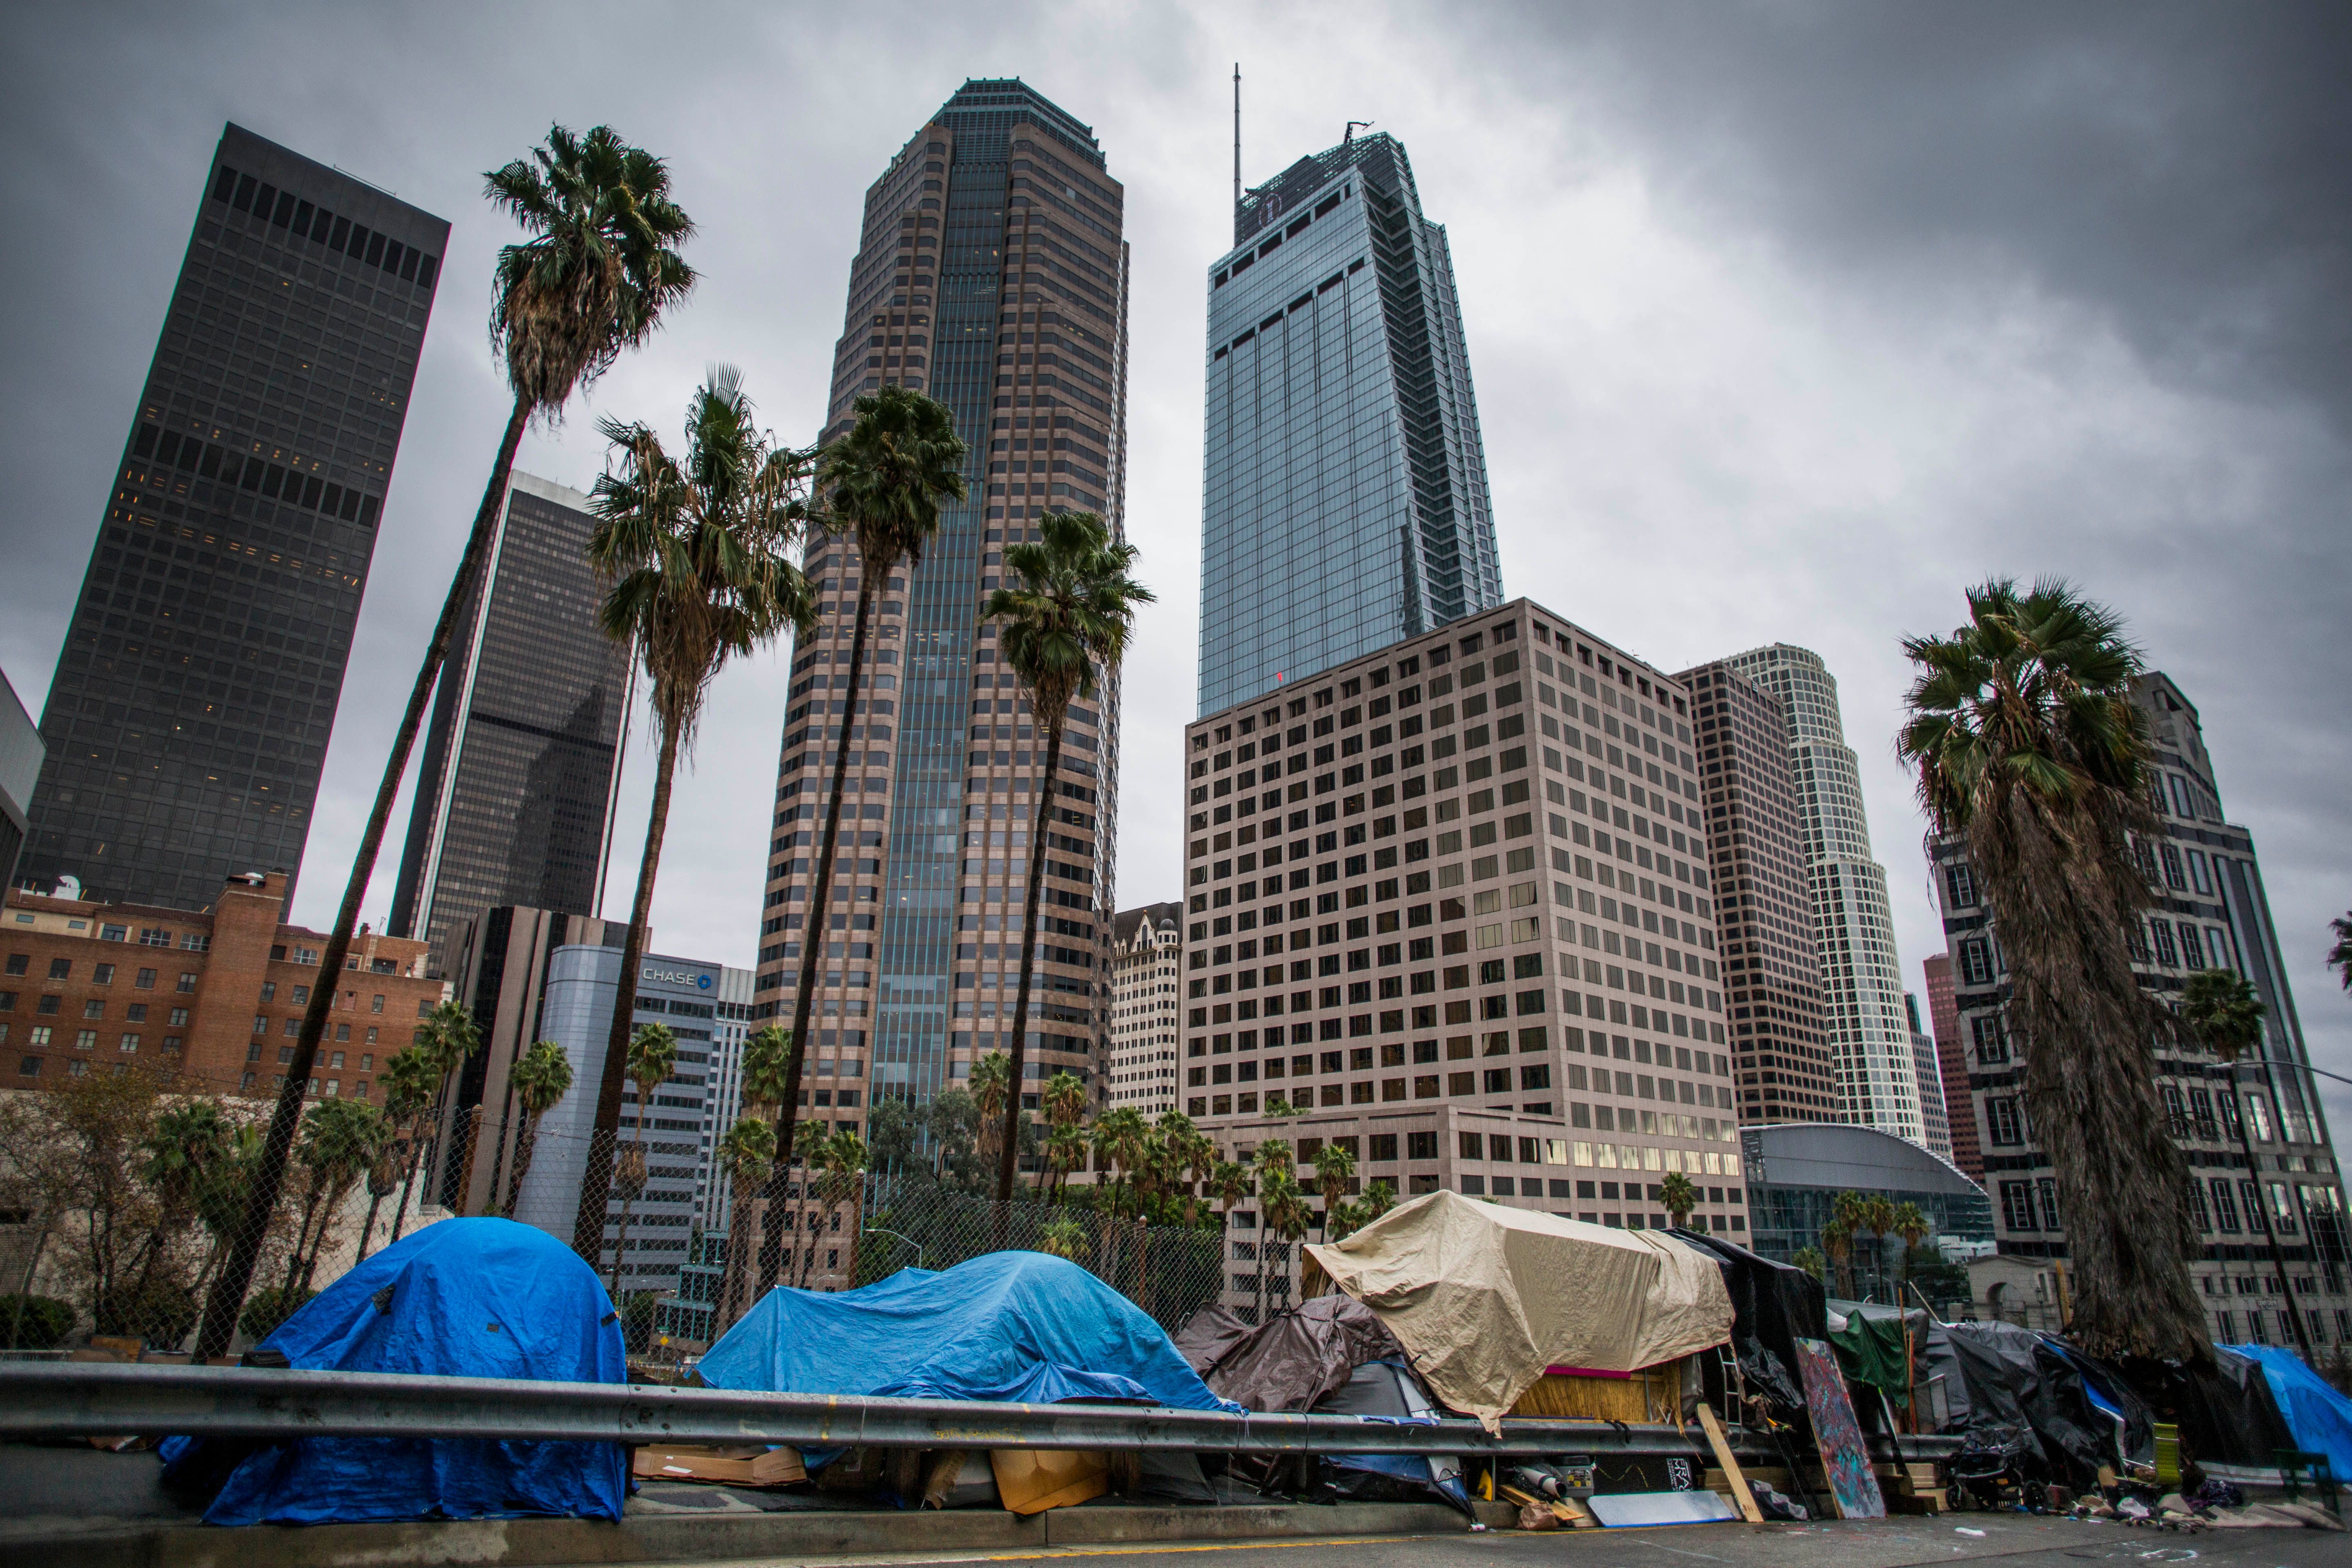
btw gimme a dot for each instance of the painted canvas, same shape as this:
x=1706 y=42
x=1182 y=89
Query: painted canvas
x=1844 y=1458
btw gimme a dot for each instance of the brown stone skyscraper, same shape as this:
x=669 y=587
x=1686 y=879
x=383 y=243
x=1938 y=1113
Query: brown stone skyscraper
x=1764 y=912
x=990 y=274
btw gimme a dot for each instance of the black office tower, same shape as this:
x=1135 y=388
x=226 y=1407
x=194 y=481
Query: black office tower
x=514 y=804
x=188 y=717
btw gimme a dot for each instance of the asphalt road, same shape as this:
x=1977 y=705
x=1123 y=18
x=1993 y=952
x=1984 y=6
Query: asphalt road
x=2016 y=1540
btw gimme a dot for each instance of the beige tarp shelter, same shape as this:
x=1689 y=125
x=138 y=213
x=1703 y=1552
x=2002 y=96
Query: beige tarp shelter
x=1484 y=1298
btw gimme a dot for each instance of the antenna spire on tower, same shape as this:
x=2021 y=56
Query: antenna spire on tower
x=1237 y=143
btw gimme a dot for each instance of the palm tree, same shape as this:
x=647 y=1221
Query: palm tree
x=1810 y=1261
x=2339 y=956
x=1273 y=1169
x=653 y=1057
x=1063 y=627
x=2031 y=754
x=409 y=1083
x=1379 y=1198
x=2225 y=1016
x=1911 y=1225
x=1878 y=1218
x=1122 y=1141
x=1278 y=1106
x=1066 y=1150
x=768 y=1056
x=991 y=1086
x=746 y=1154
x=341 y=1138
x=882 y=484
x=1064 y=1105
x=1334 y=1168
x=1229 y=1183
x=697 y=559
x=541 y=1078
x=843 y=1157
x=1285 y=1204
x=443 y=1041
x=594 y=278
x=1679 y=1196
x=1837 y=1237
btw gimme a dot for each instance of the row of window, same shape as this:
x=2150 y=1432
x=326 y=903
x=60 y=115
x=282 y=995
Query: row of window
x=205 y=460
x=40 y=1036
x=285 y=210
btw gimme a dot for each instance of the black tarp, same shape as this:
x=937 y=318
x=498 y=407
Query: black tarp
x=1773 y=1305
x=2226 y=1413
x=1384 y=1390
x=1295 y=1361
x=2003 y=1382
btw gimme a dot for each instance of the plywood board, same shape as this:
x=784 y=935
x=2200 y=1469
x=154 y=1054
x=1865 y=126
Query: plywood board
x=1741 y=1497
x=1852 y=1486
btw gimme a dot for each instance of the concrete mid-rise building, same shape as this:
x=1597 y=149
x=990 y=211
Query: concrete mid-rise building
x=1854 y=925
x=215 y=997
x=992 y=275
x=21 y=753
x=2265 y=1194
x=1145 y=1035
x=1464 y=880
x=1764 y=917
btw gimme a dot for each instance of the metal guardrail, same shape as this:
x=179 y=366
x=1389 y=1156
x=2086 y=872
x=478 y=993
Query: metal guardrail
x=89 y=1399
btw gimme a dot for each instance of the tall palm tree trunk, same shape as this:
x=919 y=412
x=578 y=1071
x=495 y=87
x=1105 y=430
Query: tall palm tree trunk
x=596 y=1187
x=526 y=1146
x=812 y=949
x=1008 y=1159
x=628 y=1199
x=228 y=1297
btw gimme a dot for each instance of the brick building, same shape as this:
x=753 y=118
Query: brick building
x=1476 y=901
x=216 y=994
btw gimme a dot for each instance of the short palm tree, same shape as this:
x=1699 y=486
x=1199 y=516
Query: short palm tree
x=2339 y=956
x=653 y=1057
x=1122 y=1142
x=1065 y=1100
x=541 y=1078
x=1063 y=1103
x=1229 y=1183
x=1274 y=1172
x=1878 y=1218
x=1911 y=1225
x=2031 y=754
x=696 y=556
x=341 y=1138
x=1063 y=625
x=443 y=1041
x=409 y=1082
x=1679 y=1196
x=882 y=486
x=1066 y=1150
x=991 y=1086
x=746 y=1154
x=1287 y=1213
x=594 y=278
x=1334 y=1168
x=1810 y=1261
x=841 y=1160
x=1379 y=1198
x=1837 y=1237
x=768 y=1057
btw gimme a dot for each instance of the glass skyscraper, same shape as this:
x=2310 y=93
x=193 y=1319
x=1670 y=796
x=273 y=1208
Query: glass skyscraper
x=514 y=804
x=990 y=274
x=1344 y=499
x=188 y=719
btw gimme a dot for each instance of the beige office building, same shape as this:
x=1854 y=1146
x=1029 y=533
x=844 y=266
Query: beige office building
x=1144 y=1038
x=1459 y=889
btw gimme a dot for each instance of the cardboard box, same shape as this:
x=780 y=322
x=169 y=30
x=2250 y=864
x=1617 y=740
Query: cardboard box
x=1030 y=1480
x=754 y=1465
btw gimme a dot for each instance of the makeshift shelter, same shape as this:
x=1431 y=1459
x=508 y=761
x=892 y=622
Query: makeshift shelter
x=1386 y=1390
x=2064 y=1413
x=1209 y=1335
x=1011 y=1326
x=1485 y=1298
x=2319 y=1417
x=1877 y=1346
x=2225 y=1411
x=466 y=1298
x=1298 y=1359
x=1773 y=1305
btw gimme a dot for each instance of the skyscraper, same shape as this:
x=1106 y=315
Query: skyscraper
x=1952 y=1065
x=1344 y=499
x=1771 y=966
x=990 y=274
x=514 y=802
x=188 y=717
x=2265 y=1192
x=1147 y=947
x=1853 y=926
x=1926 y=1071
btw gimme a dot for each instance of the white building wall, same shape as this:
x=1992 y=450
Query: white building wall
x=1861 y=978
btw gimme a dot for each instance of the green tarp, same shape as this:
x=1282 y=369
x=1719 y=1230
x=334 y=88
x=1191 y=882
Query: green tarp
x=1870 y=1348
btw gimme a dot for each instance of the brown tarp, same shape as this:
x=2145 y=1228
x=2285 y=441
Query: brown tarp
x=1209 y=1336
x=1484 y=1298
x=1299 y=1357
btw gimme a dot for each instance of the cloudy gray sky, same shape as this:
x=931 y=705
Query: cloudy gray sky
x=1787 y=320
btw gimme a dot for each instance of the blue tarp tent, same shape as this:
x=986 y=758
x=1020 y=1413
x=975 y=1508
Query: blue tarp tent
x=465 y=1297
x=1016 y=1326
x=2320 y=1418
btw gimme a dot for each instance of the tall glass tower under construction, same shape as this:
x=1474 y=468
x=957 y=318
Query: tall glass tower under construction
x=1344 y=496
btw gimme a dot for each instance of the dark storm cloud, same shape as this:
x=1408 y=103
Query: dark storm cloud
x=2184 y=170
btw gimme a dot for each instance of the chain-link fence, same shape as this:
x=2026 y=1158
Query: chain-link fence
x=123 y=1197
